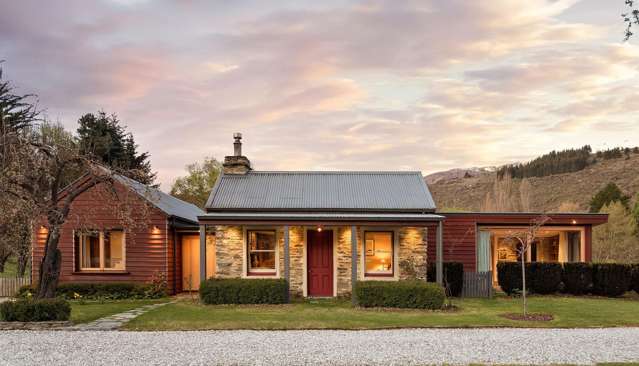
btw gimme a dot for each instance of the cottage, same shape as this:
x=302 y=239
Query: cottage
x=321 y=231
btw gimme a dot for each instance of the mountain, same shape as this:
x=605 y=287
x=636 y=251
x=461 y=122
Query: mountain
x=466 y=189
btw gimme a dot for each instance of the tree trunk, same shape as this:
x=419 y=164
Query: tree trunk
x=523 y=279
x=23 y=260
x=50 y=266
x=3 y=260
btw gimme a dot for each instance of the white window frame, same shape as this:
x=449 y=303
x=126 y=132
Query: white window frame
x=260 y=273
x=362 y=253
x=81 y=236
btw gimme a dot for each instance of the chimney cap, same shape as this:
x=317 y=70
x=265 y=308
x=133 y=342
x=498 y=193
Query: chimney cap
x=237 y=135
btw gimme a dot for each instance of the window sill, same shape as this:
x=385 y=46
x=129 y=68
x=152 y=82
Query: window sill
x=100 y=272
x=379 y=275
x=261 y=274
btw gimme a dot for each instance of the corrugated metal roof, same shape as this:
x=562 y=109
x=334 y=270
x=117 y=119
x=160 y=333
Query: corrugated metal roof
x=168 y=204
x=322 y=191
x=397 y=216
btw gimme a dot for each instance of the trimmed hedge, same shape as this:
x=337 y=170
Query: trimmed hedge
x=577 y=278
x=604 y=279
x=541 y=278
x=635 y=278
x=610 y=279
x=509 y=277
x=401 y=294
x=35 y=310
x=103 y=291
x=216 y=291
x=453 y=275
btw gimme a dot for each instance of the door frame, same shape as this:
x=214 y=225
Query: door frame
x=305 y=257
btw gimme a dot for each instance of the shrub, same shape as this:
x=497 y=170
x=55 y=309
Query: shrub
x=635 y=278
x=610 y=279
x=401 y=294
x=35 y=310
x=543 y=278
x=25 y=291
x=244 y=291
x=103 y=291
x=577 y=278
x=509 y=277
x=453 y=275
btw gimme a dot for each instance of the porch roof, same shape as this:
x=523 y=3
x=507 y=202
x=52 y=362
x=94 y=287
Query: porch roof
x=318 y=217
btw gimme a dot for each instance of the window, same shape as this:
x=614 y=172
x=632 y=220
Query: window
x=378 y=249
x=261 y=252
x=99 y=250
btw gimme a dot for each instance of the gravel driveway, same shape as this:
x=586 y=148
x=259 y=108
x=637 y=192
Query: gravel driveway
x=384 y=347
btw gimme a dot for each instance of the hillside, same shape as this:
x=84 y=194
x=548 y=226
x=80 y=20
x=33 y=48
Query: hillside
x=460 y=191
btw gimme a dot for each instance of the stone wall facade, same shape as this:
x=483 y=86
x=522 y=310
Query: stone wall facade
x=410 y=261
x=229 y=251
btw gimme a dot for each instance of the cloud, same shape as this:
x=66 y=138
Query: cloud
x=376 y=84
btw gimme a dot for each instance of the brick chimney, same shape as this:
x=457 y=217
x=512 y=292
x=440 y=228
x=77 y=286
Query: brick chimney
x=237 y=163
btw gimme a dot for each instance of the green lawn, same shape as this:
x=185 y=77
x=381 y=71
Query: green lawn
x=339 y=314
x=92 y=310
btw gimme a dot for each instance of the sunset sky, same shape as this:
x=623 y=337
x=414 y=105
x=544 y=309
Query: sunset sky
x=324 y=85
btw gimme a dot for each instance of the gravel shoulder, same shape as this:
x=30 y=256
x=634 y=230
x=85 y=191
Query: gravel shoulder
x=380 y=347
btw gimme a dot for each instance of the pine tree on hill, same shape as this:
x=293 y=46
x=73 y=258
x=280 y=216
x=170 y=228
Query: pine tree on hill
x=610 y=193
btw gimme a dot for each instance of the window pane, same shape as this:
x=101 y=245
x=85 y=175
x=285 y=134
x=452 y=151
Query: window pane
x=379 y=252
x=262 y=260
x=91 y=250
x=262 y=240
x=261 y=250
x=114 y=250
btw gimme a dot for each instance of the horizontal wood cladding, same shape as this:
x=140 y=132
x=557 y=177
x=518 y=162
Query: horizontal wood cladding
x=146 y=243
x=460 y=237
x=458 y=242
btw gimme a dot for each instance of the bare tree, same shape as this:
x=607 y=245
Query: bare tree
x=502 y=198
x=34 y=169
x=525 y=195
x=34 y=178
x=525 y=239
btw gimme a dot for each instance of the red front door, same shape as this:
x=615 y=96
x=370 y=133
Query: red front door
x=320 y=263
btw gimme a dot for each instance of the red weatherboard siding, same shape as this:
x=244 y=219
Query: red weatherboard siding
x=146 y=250
x=459 y=242
x=460 y=232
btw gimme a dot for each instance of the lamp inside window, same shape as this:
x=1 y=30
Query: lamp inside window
x=378 y=249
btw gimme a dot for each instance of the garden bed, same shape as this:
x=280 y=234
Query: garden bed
x=534 y=317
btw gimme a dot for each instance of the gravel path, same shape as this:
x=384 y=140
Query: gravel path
x=385 y=347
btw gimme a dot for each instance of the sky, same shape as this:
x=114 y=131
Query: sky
x=423 y=85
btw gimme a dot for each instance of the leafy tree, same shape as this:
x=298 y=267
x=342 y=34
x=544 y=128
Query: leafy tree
x=17 y=115
x=196 y=186
x=635 y=209
x=610 y=193
x=616 y=241
x=630 y=18
x=102 y=137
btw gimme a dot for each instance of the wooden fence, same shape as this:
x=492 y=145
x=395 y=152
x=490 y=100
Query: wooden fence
x=478 y=284
x=9 y=286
